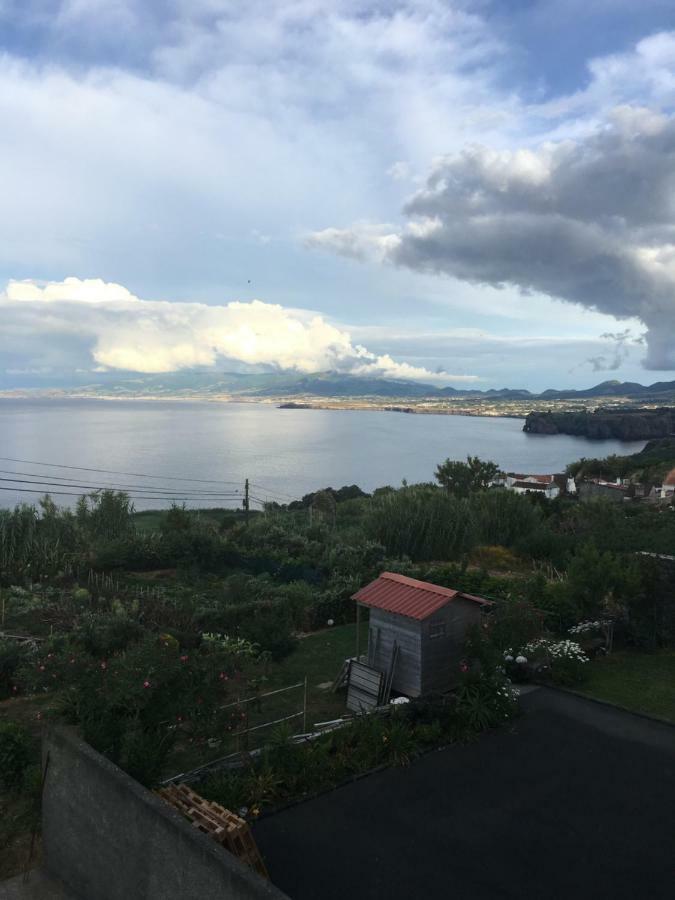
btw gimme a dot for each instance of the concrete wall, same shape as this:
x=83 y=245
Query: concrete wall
x=106 y=837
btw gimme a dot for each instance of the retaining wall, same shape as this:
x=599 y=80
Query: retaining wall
x=105 y=837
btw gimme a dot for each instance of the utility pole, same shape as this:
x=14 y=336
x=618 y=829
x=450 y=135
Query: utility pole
x=246 y=501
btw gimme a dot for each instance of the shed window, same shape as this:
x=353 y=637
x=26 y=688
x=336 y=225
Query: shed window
x=437 y=629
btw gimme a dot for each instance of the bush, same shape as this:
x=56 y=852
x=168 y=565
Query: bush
x=15 y=754
x=12 y=654
x=104 y=633
x=564 y=662
x=485 y=700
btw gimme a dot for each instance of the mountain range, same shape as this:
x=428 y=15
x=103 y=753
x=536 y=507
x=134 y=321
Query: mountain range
x=340 y=385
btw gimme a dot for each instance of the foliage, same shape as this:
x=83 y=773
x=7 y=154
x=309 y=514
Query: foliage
x=462 y=479
x=15 y=754
x=504 y=517
x=12 y=654
x=651 y=464
x=422 y=522
x=563 y=661
x=514 y=623
x=485 y=700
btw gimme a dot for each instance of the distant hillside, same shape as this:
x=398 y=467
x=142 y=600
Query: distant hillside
x=205 y=384
x=622 y=424
x=660 y=390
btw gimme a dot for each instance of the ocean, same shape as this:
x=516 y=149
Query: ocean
x=203 y=452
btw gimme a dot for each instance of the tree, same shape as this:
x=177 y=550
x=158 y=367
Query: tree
x=462 y=479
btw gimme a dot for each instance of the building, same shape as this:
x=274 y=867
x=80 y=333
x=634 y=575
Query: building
x=549 y=486
x=614 y=491
x=427 y=622
x=667 y=490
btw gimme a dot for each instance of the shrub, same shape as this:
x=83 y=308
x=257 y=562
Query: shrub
x=513 y=624
x=104 y=633
x=485 y=700
x=563 y=661
x=12 y=654
x=15 y=754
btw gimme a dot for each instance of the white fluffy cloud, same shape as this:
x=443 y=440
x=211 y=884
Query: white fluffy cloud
x=590 y=221
x=123 y=332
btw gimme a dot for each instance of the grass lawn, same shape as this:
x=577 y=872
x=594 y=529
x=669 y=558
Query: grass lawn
x=643 y=682
x=319 y=657
x=150 y=520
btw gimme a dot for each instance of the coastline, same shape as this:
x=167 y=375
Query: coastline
x=414 y=407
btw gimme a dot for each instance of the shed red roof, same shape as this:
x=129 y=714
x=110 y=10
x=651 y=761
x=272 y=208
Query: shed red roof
x=408 y=596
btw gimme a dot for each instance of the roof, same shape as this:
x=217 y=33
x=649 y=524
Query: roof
x=408 y=596
x=531 y=485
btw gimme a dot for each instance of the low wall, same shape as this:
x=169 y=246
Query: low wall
x=106 y=837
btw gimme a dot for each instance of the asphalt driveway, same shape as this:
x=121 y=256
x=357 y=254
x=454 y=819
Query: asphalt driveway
x=573 y=800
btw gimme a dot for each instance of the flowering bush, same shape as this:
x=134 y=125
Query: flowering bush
x=586 y=628
x=564 y=660
x=486 y=700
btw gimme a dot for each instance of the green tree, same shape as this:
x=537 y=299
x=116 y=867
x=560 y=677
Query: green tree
x=462 y=479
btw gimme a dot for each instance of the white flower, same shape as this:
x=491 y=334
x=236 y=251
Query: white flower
x=521 y=660
x=508 y=658
x=398 y=700
x=331 y=622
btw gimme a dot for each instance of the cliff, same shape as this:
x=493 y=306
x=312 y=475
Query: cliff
x=624 y=424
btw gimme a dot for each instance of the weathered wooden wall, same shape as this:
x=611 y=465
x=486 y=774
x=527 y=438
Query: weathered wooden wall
x=385 y=628
x=441 y=656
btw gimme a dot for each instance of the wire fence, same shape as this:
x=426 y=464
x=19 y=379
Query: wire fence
x=251 y=715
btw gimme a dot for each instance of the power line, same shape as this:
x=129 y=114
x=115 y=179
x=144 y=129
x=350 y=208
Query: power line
x=90 y=487
x=53 y=479
x=15 y=490
x=271 y=492
x=32 y=462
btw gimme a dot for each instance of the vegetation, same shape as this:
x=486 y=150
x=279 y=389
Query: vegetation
x=642 y=682
x=623 y=424
x=147 y=630
x=462 y=479
x=650 y=465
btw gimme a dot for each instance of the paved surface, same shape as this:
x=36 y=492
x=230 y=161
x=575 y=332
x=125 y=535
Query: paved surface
x=573 y=800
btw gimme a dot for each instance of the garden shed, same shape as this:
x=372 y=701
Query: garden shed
x=427 y=624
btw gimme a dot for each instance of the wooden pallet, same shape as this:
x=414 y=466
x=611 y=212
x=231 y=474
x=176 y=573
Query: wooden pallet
x=228 y=829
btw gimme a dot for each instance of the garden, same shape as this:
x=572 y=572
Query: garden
x=149 y=632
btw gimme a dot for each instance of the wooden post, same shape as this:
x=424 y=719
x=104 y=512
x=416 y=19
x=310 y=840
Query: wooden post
x=358 y=631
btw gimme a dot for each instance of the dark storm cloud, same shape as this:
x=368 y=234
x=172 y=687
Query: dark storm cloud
x=592 y=222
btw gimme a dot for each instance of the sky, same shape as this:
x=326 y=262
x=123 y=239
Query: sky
x=477 y=193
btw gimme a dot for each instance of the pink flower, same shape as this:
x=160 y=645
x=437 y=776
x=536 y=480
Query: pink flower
x=72 y=660
x=14 y=688
x=222 y=676
x=463 y=667
x=146 y=684
x=104 y=665
x=41 y=668
x=184 y=659
x=39 y=715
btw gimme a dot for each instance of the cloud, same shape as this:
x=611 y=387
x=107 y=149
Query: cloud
x=590 y=221
x=120 y=331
